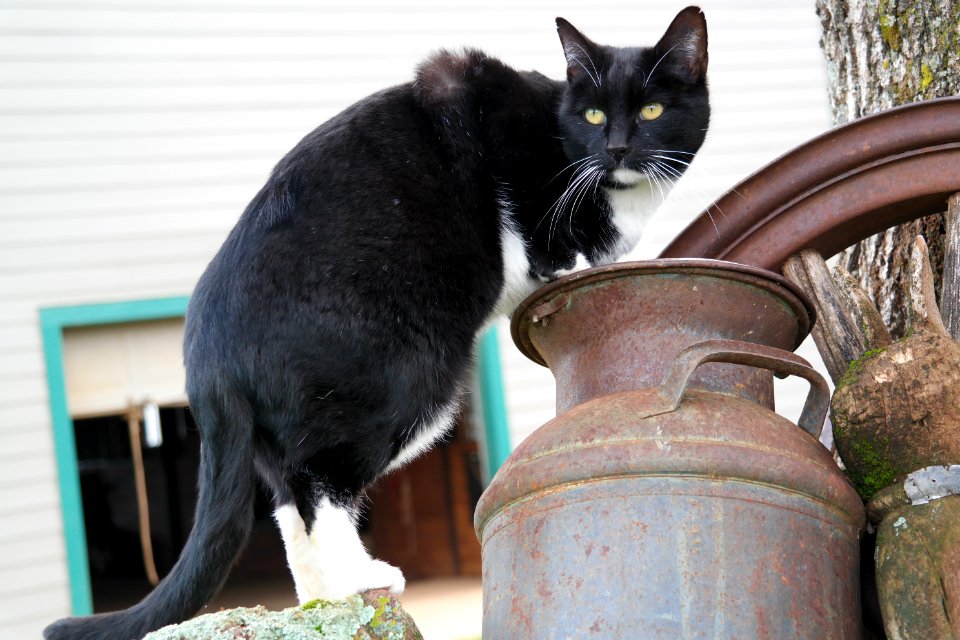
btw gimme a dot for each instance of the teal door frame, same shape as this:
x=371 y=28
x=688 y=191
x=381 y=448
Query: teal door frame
x=496 y=428
x=53 y=322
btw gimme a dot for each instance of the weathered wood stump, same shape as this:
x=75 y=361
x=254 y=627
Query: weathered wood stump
x=896 y=419
x=896 y=409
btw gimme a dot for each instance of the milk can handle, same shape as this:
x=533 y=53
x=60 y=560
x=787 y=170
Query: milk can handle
x=753 y=355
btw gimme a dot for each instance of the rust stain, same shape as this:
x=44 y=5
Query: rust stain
x=643 y=544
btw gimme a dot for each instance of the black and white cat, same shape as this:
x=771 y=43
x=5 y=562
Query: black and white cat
x=328 y=341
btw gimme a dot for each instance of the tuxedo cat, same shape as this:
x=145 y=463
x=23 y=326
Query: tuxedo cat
x=329 y=339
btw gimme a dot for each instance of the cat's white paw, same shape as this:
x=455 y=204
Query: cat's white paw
x=347 y=580
x=330 y=563
x=381 y=575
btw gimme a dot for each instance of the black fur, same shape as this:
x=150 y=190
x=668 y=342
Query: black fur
x=341 y=311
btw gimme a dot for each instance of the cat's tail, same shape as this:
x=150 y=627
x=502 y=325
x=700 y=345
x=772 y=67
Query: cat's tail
x=222 y=524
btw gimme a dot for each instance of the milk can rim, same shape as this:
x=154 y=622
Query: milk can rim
x=522 y=316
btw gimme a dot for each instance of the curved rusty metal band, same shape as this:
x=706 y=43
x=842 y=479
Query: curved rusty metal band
x=835 y=190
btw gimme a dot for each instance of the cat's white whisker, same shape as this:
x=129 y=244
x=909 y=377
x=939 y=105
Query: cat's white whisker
x=582 y=172
x=577 y=193
x=716 y=229
x=686 y=153
x=647 y=79
x=714 y=223
x=670 y=172
x=573 y=178
x=572 y=164
x=571 y=55
x=656 y=177
x=597 y=84
x=661 y=167
x=592 y=176
x=669 y=175
x=669 y=159
x=702 y=196
x=718 y=208
x=570 y=197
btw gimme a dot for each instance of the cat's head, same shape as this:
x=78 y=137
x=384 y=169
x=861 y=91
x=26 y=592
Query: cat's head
x=635 y=113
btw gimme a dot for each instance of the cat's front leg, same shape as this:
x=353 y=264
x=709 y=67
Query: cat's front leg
x=329 y=561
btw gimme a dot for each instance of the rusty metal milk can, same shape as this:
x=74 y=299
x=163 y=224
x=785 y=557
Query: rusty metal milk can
x=666 y=499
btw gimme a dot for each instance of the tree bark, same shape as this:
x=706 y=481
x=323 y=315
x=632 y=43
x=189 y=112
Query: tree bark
x=881 y=54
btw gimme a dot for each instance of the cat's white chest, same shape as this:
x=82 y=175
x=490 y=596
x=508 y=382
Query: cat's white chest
x=631 y=210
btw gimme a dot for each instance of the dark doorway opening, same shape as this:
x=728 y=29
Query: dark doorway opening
x=117 y=571
x=420 y=517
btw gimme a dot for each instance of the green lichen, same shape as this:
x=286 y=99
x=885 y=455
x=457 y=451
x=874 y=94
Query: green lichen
x=388 y=622
x=854 y=369
x=926 y=76
x=923 y=42
x=382 y=602
x=315 y=620
x=870 y=471
x=864 y=456
x=890 y=32
x=839 y=432
x=948 y=32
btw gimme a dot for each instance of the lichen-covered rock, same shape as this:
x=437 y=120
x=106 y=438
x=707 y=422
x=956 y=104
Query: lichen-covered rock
x=918 y=570
x=390 y=621
x=375 y=615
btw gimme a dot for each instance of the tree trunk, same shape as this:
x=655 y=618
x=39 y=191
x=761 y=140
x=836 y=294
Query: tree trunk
x=881 y=54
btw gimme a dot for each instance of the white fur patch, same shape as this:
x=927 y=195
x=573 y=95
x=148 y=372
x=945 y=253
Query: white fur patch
x=517 y=283
x=331 y=563
x=581 y=264
x=428 y=432
x=631 y=210
x=628 y=177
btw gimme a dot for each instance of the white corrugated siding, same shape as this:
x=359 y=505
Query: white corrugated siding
x=133 y=132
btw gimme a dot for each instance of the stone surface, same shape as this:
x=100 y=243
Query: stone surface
x=918 y=570
x=374 y=615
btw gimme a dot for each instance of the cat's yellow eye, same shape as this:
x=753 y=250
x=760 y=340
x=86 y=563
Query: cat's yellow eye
x=594 y=116
x=651 y=111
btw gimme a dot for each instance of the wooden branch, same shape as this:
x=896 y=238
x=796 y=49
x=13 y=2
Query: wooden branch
x=865 y=314
x=950 y=292
x=809 y=271
x=847 y=323
x=923 y=315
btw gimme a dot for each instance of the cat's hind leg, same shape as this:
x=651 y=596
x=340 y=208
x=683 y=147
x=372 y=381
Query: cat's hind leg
x=327 y=558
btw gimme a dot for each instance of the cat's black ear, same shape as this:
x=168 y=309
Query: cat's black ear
x=685 y=43
x=582 y=55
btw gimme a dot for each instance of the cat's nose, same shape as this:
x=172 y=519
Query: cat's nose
x=618 y=153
